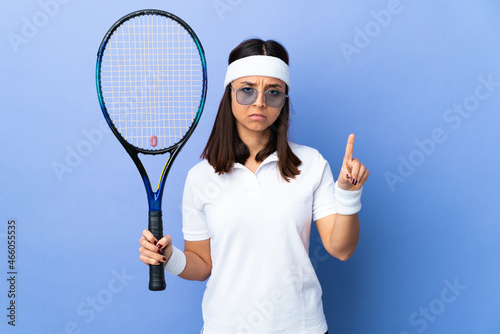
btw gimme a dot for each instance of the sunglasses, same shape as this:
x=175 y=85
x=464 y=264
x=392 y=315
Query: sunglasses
x=247 y=95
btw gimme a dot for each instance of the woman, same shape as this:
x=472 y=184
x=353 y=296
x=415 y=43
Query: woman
x=248 y=206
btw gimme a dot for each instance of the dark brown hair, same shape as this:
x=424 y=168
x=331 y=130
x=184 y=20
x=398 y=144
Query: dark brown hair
x=224 y=146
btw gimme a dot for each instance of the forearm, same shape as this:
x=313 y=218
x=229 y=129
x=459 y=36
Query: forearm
x=344 y=236
x=196 y=268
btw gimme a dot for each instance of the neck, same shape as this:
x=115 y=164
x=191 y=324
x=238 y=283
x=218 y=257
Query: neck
x=255 y=141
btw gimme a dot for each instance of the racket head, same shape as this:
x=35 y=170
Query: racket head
x=151 y=81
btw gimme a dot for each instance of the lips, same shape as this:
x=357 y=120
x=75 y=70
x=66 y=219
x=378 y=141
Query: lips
x=257 y=117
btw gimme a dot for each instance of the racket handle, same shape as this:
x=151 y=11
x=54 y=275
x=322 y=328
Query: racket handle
x=156 y=272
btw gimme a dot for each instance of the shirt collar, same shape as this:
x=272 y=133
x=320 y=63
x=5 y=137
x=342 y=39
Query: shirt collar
x=272 y=157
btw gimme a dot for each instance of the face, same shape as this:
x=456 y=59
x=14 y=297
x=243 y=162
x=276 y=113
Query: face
x=256 y=118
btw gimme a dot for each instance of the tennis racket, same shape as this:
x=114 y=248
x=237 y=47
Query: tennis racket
x=151 y=82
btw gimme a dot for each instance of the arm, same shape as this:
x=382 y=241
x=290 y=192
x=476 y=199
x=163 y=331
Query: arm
x=198 y=260
x=339 y=234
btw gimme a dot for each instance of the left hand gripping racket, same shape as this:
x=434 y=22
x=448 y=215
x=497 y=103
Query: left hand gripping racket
x=151 y=82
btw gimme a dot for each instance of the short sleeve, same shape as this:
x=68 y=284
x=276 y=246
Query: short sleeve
x=324 y=194
x=194 y=224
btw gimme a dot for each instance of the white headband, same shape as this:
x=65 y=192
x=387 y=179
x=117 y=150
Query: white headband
x=258 y=65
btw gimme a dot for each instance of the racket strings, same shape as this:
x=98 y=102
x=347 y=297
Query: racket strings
x=152 y=81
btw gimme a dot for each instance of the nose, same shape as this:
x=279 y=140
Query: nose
x=260 y=100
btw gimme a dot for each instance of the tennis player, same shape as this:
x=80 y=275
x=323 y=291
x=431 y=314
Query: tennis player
x=248 y=207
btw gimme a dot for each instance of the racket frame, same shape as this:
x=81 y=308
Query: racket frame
x=154 y=197
x=157 y=280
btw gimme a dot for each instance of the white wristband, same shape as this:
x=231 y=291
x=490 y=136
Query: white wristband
x=177 y=262
x=348 y=202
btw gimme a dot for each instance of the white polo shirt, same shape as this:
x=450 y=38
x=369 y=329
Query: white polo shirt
x=259 y=227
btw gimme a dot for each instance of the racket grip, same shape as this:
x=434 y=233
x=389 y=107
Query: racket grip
x=156 y=272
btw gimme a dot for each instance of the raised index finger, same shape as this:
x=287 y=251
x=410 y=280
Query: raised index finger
x=349 y=147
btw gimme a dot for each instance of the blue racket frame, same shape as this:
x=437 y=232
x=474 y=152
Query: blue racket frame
x=157 y=280
x=154 y=197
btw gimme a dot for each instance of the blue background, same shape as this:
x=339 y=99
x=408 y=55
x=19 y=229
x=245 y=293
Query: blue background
x=393 y=72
